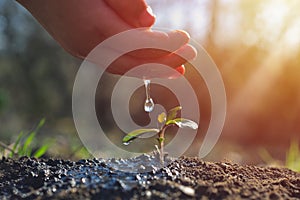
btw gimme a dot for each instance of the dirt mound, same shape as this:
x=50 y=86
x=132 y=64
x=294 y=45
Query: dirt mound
x=184 y=178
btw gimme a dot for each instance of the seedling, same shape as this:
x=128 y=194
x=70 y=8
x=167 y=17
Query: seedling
x=165 y=121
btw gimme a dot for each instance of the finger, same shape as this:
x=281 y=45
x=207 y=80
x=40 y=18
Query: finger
x=168 y=43
x=172 y=60
x=135 y=12
x=184 y=54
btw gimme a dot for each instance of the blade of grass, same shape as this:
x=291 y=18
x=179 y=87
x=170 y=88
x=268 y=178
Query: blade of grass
x=16 y=144
x=41 y=151
x=39 y=126
x=293 y=156
x=25 y=149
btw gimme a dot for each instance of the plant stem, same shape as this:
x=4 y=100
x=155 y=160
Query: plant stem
x=161 y=141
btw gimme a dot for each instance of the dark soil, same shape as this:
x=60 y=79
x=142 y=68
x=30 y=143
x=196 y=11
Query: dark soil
x=185 y=178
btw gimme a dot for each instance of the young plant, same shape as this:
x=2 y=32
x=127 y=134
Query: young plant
x=165 y=121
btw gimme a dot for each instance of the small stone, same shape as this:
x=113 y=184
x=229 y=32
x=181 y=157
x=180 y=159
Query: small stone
x=142 y=167
x=83 y=180
x=148 y=193
x=187 y=190
x=72 y=182
x=54 y=189
x=138 y=177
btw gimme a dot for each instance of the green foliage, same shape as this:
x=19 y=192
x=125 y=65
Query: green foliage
x=173 y=112
x=183 y=123
x=136 y=133
x=23 y=146
x=165 y=121
x=293 y=157
x=82 y=153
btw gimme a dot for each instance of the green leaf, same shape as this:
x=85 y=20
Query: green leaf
x=25 y=150
x=173 y=113
x=41 y=123
x=136 y=133
x=161 y=117
x=16 y=144
x=29 y=139
x=41 y=151
x=182 y=123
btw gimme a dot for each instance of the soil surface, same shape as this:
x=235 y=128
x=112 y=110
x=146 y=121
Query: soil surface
x=184 y=178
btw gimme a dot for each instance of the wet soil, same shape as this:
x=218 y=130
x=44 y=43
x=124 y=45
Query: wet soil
x=184 y=178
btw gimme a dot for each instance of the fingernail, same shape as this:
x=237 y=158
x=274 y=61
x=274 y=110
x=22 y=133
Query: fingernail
x=147 y=18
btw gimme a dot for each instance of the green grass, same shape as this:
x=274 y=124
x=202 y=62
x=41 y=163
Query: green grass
x=292 y=158
x=24 y=144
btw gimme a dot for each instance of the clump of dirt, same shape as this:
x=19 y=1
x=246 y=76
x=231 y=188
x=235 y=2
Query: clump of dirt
x=184 y=178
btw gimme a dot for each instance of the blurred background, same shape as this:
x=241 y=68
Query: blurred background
x=255 y=44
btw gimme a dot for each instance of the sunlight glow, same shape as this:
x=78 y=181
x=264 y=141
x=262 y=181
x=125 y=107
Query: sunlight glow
x=292 y=35
x=278 y=19
x=277 y=29
x=273 y=13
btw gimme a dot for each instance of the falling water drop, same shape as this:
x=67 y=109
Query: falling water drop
x=149 y=104
x=126 y=143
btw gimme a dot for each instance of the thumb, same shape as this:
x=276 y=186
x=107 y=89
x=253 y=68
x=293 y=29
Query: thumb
x=135 y=12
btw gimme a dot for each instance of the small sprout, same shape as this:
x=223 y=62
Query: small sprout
x=166 y=120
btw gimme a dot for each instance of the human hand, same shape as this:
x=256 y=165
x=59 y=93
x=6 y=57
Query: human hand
x=79 y=27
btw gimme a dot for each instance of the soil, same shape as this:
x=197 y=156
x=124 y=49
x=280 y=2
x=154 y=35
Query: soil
x=183 y=178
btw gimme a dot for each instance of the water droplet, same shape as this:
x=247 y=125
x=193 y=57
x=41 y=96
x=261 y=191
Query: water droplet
x=126 y=143
x=149 y=104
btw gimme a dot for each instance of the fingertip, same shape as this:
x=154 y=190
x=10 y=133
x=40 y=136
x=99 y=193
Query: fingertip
x=179 y=37
x=183 y=33
x=193 y=51
x=187 y=52
x=181 y=69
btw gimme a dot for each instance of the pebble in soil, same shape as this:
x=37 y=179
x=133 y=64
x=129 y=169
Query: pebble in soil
x=184 y=178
